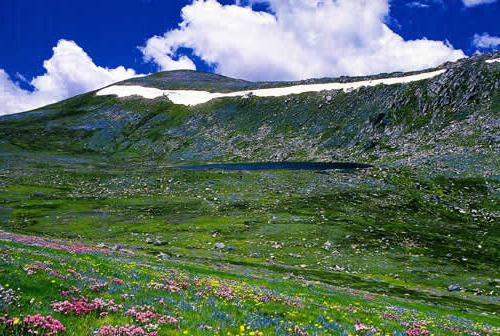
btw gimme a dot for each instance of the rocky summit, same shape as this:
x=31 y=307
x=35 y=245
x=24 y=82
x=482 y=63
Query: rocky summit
x=192 y=203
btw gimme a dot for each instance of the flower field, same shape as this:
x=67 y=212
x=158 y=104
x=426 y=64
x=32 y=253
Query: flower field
x=49 y=290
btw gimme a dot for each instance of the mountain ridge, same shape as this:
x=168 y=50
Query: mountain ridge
x=370 y=123
x=176 y=79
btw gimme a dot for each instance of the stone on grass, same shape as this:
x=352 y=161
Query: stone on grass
x=454 y=288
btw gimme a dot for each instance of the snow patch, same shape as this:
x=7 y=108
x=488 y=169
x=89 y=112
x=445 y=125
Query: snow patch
x=194 y=97
x=493 y=60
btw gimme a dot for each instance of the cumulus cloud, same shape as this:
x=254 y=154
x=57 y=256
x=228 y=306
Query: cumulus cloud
x=472 y=3
x=70 y=71
x=485 y=41
x=300 y=39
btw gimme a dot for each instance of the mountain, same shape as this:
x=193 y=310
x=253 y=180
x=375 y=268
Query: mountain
x=116 y=197
x=456 y=112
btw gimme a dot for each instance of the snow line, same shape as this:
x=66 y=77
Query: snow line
x=194 y=97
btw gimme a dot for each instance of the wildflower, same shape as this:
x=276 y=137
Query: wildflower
x=127 y=330
x=145 y=315
x=81 y=306
x=72 y=247
x=117 y=281
x=33 y=324
x=98 y=287
x=417 y=332
x=9 y=297
x=362 y=327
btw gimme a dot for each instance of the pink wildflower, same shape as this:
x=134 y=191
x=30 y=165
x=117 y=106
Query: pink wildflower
x=127 y=330
x=417 y=332
x=362 y=327
x=33 y=324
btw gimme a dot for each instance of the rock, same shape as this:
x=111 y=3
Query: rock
x=477 y=291
x=206 y=326
x=159 y=243
x=163 y=256
x=129 y=252
x=327 y=245
x=277 y=245
x=436 y=199
x=117 y=247
x=148 y=241
x=454 y=288
x=219 y=245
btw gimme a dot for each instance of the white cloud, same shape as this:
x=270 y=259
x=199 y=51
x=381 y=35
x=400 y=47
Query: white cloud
x=417 y=4
x=485 y=41
x=302 y=39
x=70 y=71
x=472 y=3
x=425 y=3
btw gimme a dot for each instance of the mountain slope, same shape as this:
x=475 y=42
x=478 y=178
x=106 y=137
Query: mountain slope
x=454 y=112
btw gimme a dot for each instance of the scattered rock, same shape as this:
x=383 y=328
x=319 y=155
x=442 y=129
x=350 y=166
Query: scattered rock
x=277 y=245
x=206 y=326
x=436 y=199
x=159 y=243
x=477 y=291
x=219 y=246
x=454 y=288
x=163 y=256
x=327 y=245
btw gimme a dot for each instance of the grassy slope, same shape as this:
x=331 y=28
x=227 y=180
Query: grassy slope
x=214 y=302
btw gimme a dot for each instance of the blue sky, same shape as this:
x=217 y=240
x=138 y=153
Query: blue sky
x=329 y=39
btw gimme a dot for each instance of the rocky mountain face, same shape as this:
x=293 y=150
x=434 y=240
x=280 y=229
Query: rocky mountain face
x=454 y=113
